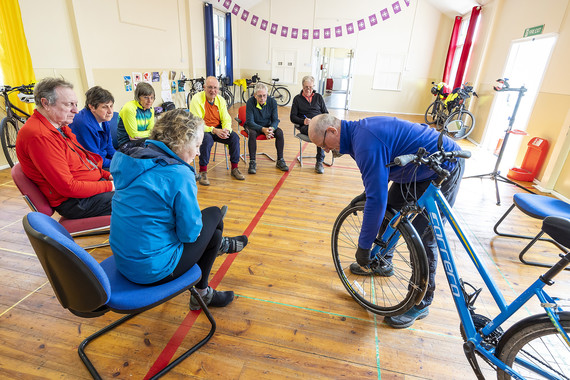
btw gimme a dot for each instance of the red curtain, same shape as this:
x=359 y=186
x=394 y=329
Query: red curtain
x=464 y=60
x=451 y=51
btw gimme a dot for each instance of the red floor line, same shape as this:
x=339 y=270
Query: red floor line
x=179 y=335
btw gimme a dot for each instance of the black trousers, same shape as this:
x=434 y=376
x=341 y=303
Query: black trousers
x=78 y=208
x=252 y=142
x=398 y=196
x=304 y=129
x=203 y=251
x=205 y=149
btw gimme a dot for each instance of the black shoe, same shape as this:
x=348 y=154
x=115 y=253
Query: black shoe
x=232 y=245
x=213 y=298
x=407 y=319
x=281 y=165
x=319 y=167
x=252 y=167
x=386 y=270
x=224 y=210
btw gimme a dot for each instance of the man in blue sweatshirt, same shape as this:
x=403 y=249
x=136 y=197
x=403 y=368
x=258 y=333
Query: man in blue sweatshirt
x=91 y=125
x=373 y=143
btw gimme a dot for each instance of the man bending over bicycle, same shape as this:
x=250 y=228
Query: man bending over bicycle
x=374 y=143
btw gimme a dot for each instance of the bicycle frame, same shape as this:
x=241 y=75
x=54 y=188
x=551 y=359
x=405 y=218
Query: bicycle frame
x=11 y=108
x=434 y=203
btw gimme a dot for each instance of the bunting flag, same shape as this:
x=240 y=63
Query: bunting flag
x=327 y=33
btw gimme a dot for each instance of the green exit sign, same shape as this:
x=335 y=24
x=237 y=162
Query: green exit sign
x=534 y=31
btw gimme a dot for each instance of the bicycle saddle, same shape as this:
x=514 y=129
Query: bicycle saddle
x=558 y=229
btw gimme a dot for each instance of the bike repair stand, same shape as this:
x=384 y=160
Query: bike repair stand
x=496 y=174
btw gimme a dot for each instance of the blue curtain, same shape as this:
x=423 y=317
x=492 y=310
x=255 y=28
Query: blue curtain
x=209 y=34
x=229 y=56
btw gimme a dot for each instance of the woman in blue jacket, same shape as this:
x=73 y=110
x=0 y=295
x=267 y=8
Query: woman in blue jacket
x=157 y=229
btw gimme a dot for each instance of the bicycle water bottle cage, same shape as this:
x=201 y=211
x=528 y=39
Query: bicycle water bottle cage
x=470 y=298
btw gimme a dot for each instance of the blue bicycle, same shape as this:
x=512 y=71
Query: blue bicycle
x=535 y=347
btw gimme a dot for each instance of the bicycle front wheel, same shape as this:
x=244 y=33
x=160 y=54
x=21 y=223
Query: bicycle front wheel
x=8 y=131
x=228 y=97
x=460 y=124
x=248 y=93
x=536 y=347
x=384 y=295
x=281 y=95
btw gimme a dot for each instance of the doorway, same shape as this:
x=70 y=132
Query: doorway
x=525 y=66
x=334 y=76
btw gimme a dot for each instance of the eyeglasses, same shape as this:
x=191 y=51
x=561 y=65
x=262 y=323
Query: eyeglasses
x=212 y=87
x=147 y=97
x=324 y=138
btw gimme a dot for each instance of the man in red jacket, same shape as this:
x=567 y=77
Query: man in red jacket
x=71 y=178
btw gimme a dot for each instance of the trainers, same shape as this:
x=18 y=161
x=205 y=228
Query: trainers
x=213 y=298
x=319 y=167
x=204 y=181
x=232 y=245
x=252 y=167
x=224 y=210
x=281 y=165
x=408 y=318
x=237 y=174
x=385 y=270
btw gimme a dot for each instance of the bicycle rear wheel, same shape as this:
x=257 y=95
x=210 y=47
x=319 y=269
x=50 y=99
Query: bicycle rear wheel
x=432 y=112
x=281 y=95
x=460 y=124
x=539 y=344
x=8 y=131
x=385 y=296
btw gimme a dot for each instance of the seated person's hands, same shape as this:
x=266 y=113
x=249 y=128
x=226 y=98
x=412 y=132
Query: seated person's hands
x=221 y=133
x=268 y=132
x=306 y=121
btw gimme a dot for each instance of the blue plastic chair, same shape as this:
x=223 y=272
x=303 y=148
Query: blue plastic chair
x=538 y=207
x=113 y=124
x=89 y=289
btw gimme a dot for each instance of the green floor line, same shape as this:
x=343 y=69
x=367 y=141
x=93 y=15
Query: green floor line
x=305 y=308
x=379 y=370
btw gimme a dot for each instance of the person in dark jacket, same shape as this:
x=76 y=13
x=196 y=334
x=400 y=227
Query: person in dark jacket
x=91 y=125
x=307 y=105
x=261 y=118
x=157 y=229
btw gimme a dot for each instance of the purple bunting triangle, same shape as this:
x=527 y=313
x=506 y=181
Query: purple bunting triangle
x=338 y=31
x=235 y=9
x=263 y=25
x=385 y=15
x=361 y=25
x=273 y=29
x=227 y=4
x=284 y=31
x=396 y=7
x=305 y=34
x=244 y=15
x=349 y=28
x=373 y=20
x=294 y=33
x=316 y=34
x=254 y=20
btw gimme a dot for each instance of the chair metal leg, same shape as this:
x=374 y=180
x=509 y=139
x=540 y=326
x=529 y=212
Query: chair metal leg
x=174 y=363
x=94 y=232
x=533 y=239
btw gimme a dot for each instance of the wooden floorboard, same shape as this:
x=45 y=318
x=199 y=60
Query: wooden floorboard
x=291 y=318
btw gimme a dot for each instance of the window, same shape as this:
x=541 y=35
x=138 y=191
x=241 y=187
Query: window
x=220 y=43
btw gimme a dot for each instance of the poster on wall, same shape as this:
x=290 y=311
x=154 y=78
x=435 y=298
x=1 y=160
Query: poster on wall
x=146 y=77
x=173 y=87
x=128 y=83
x=155 y=76
x=137 y=78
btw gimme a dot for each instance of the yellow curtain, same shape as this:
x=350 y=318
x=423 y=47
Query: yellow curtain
x=14 y=54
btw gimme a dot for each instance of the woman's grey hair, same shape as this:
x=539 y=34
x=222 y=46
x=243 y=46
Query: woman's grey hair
x=143 y=89
x=177 y=129
x=46 y=89
x=259 y=86
x=308 y=78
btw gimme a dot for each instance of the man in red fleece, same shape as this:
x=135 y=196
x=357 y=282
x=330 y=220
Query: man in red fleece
x=71 y=178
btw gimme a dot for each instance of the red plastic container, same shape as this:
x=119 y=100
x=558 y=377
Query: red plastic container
x=532 y=161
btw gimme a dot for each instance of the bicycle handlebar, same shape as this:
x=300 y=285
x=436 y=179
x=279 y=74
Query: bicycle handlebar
x=436 y=158
x=27 y=89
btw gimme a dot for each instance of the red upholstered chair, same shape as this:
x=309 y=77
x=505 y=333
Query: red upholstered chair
x=97 y=225
x=241 y=123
